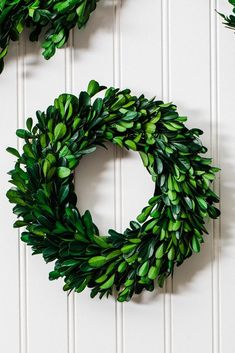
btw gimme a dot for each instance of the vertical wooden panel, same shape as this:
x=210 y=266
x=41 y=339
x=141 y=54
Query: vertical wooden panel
x=95 y=324
x=118 y=162
x=190 y=90
x=47 y=308
x=69 y=73
x=226 y=140
x=166 y=98
x=214 y=100
x=9 y=294
x=141 y=66
x=23 y=294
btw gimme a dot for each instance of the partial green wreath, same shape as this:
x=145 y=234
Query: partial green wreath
x=53 y=18
x=167 y=231
x=230 y=20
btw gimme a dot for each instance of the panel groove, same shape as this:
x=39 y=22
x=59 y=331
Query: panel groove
x=119 y=307
x=23 y=295
x=166 y=97
x=69 y=69
x=214 y=107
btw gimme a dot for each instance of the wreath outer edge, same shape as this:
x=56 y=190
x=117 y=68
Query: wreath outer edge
x=167 y=231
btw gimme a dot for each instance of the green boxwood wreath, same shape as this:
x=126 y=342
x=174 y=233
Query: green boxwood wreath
x=230 y=20
x=167 y=231
x=57 y=17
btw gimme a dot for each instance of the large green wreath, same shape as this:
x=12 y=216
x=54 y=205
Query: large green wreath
x=168 y=230
x=58 y=17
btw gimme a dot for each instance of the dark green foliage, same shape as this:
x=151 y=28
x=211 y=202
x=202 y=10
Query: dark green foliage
x=167 y=231
x=56 y=16
x=230 y=20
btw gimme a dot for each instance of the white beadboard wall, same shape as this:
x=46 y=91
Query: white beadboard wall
x=177 y=50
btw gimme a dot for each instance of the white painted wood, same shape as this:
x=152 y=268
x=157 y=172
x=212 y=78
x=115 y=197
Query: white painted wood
x=141 y=70
x=9 y=294
x=226 y=148
x=190 y=90
x=95 y=320
x=47 y=316
x=177 y=50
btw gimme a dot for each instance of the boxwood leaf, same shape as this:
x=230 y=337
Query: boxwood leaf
x=13 y=151
x=60 y=131
x=63 y=172
x=94 y=88
x=108 y=283
x=143 y=270
x=97 y=261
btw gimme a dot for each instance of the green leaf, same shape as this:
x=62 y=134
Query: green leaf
x=87 y=219
x=82 y=286
x=46 y=167
x=13 y=151
x=150 y=128
x=108 y=284
x=171 y=254
x=213 y=212
x=102 y=242
x=128 y=248
x=131 y=144
x=54 y=275
x=94 y=88
x=122 y=267
x=19 y=224
x=159 y=165
x=153 y=272
x=144 y=214
x=4 y=52
x=188 y=202
x=119 y=102
x=118 y=141
x=176 y=226
x=29 y=123
x=143 y=269
x=202 y=203
x=144 y=158
x=63 y=172
x=28 y=151
x=88 y=150
x=60 y=131
x=160 y=251
x=113 y=254
x=59 y=36
x=97 y=261
x=195 y=244
x=69 y=263
x=64 y=191
x=21 y=133
x=130 y=115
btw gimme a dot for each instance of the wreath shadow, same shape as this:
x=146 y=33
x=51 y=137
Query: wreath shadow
x=225 y=234
x=102 y=19
x=185 y=274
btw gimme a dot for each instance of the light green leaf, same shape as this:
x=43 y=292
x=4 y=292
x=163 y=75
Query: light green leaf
x=97 y=261
x=63 y=172
x=60 y=131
